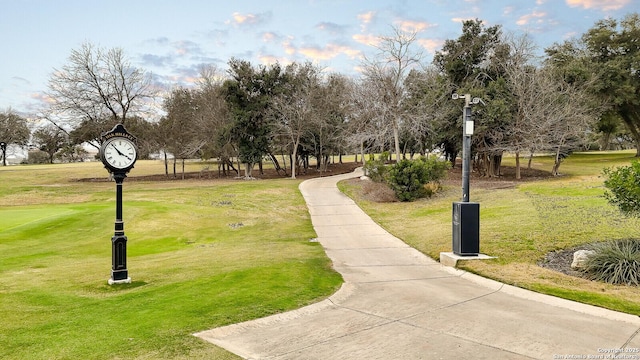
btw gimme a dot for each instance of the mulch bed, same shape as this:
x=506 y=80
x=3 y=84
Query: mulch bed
x=214 y=175
x=561 y=260
x=506 y=180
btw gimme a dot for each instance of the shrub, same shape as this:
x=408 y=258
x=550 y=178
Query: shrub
x=37 y=157
x=623 y=186
x=408 y=178
x=615 y=262
x=376 y=169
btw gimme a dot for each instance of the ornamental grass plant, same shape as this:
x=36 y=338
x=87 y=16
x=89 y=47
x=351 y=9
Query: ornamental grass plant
x=615 y=262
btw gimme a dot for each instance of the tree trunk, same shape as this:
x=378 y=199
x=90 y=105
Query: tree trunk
x=166 y=164
x=556 y=164
x=396 y=140
x=276 y=164
x=295 y=156
x=248 y=167
x=628 y=119
x=174 y=167
x=182 y=169
x=518 y=176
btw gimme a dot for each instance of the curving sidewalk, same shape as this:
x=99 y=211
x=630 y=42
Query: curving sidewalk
x=397 y=303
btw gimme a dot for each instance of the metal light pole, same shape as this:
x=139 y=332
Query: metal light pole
x=466 y=215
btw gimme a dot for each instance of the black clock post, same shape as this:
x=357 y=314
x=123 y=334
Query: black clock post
x=118 y=154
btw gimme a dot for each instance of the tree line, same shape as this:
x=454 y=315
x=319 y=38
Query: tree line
x=582 y=93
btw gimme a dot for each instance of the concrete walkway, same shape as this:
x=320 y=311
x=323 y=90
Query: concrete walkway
x=396 y=303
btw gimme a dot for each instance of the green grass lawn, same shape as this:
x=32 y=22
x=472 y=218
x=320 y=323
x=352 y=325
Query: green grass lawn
x=520 y=225
x=201 y=254
x=206 y=253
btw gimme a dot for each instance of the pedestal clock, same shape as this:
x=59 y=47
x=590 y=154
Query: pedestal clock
x=119 y=153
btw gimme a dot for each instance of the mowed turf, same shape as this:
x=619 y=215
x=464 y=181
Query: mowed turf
x=521 y=224
x=201 y=254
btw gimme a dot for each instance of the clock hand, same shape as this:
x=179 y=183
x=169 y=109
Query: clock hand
x=120 y=152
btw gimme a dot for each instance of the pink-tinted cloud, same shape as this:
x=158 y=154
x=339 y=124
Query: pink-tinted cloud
x=328 y=52
x=413 y=26
x=239 y=19
x=535 y=16
x=365 y=19
x=366 y=39
x=288 y=46
x=269 y=37
x=459 y=20
x=604 y=5
x=430 y=44
x=42 y=98
x=187 y=47
x=266 y=59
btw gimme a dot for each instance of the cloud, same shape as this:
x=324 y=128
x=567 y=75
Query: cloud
x=460 y=20
x=413 y=26
x=367 y=39
x=366 y=19
x=269 y=36
x=156 y=60
x=535 y=16
x=239 y=19
x=508 y=10
x=21 y=80
x=288 y=47
x=163 y=40
x=430 y=44
x=270 y=60
x=186 y=47
x=332 y=28
x=42 y=98
x=328 y=52
x=604 y=5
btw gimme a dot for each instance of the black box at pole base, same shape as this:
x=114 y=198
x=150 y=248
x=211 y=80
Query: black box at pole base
x=466 y=228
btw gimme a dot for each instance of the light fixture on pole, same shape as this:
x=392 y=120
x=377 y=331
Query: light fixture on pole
x=466 y=215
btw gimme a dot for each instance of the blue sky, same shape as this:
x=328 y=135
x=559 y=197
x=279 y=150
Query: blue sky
x=171 y=39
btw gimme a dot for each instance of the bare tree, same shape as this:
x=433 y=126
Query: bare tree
x=567 y=114
x=294 y=109
x=361 y=128
x=526 y=93
x=96 y=84
x=386 y=73
x=212 y=117
x=181 y=134
x=427 y=107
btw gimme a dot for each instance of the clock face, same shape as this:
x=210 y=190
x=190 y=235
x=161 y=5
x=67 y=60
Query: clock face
x=119 y=153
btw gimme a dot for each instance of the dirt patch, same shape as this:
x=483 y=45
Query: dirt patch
x=506 y=179
x=376 y=192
